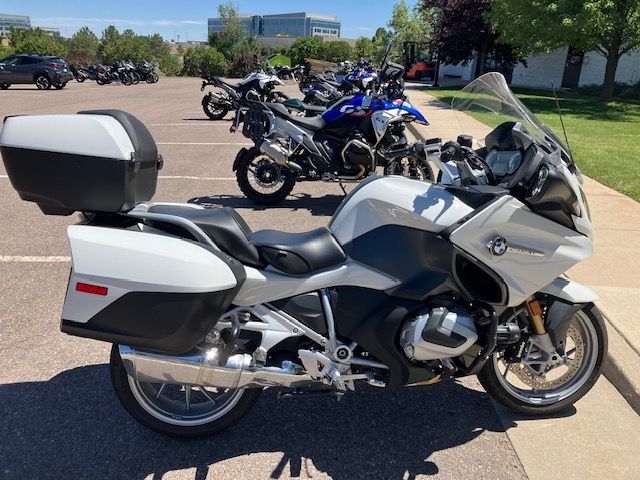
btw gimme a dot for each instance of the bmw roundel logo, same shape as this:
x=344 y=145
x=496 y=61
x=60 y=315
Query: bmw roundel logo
x=498 y=246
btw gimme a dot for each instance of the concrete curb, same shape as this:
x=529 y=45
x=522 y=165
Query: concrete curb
x=622 y=367
x=622 y=364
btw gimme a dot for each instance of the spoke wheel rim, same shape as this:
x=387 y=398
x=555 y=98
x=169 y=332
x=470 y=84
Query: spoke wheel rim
x=184 y=405
x=582 y=353
x=265 y=175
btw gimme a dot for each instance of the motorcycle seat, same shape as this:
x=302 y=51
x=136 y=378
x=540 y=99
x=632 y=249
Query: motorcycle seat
x=299 y=253
x=228 y=84
x=311 y=123
x=224 y=226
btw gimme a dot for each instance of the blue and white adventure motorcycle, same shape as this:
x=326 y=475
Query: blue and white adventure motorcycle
x=345 y=143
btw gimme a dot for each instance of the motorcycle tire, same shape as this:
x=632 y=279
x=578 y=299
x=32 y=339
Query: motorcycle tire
x=543 y=401
x=419 y=172
x=100 y=81
x=135 y=78
x=60 y=86
x=288 y=180
x=126 y=79
x=156 y=78
x=276 y=97
x=143 y=409
x=80 y=79
x=213 y=111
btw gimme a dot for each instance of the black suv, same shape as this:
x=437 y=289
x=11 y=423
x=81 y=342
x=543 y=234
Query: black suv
x=43 y=70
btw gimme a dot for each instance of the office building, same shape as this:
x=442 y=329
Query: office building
x=7 y=22
x=287 y=25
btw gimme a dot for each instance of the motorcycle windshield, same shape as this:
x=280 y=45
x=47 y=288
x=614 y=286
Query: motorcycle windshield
x=489 y=100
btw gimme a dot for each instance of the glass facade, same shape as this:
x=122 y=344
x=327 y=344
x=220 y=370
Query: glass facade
x=285 y=25
x=7 y=22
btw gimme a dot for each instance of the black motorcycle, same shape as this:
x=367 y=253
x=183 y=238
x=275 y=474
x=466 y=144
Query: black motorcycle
x=147 y=73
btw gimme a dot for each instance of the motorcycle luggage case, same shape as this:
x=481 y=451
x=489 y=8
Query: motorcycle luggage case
x=95 y=161
x=144 y=289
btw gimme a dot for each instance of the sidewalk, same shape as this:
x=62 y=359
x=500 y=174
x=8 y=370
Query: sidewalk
x=614 y=270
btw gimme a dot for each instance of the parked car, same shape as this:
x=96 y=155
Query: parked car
x=43 y=70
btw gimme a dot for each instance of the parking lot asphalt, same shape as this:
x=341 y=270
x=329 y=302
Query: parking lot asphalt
x=58 y=415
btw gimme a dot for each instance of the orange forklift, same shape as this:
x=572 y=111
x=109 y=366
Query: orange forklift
x=419 y=62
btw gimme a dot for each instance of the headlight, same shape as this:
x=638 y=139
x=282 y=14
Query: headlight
x=543 y=173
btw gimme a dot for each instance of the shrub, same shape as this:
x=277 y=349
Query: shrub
x=241 y=65
x=170 y=65
x=204 y=62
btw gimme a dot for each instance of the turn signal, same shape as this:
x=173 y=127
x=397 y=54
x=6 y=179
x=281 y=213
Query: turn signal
x=94 y=289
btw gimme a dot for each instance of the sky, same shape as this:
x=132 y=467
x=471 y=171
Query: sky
x=188 y=18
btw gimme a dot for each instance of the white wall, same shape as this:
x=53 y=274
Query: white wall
x=464 y=72
x=594 y=64
x=541 y=70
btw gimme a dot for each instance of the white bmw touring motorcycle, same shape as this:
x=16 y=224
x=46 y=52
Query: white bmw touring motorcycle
x=203 y=313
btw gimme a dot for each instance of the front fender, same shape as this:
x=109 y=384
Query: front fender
x=570 y=291
x=566 y=298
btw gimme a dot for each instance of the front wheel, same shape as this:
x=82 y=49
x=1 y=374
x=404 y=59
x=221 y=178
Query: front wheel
x=409 y=169
x=179 y=410
x=80 y=78
x=533 y=388
x=60 y=86
x=262 y=180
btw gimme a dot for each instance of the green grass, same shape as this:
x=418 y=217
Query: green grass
x=604 y=137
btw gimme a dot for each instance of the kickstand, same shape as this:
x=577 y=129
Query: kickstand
x=342 y=187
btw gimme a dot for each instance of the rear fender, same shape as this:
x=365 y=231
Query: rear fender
x=566 y=298
x=239 y=156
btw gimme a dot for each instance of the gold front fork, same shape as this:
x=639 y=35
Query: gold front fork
x=535 y=314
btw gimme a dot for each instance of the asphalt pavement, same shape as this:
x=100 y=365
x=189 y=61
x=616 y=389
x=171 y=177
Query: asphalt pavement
x=59 y=417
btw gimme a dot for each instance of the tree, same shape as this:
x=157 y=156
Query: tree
x=83 y=47
x=157 y=46
x=380 y=41
x=462 y=32
x=611 y=27
x=36 y=41
x=170 y=65
x=408 y=26
x=303 y=48
x=364 y=47
x=204 y=62
x=116 y=46
x=233 y=39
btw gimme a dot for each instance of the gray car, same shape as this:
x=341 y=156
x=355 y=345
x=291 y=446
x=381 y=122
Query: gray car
x=42 y=70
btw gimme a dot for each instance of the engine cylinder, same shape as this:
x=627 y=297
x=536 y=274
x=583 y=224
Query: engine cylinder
x=438 y=333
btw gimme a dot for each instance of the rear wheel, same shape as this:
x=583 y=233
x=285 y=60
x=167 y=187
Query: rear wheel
x=43 y=82
x=213 y=109
x=4 y=86
x=179 y=410
x=262 y=180
x=536 y=388
x=60 y=86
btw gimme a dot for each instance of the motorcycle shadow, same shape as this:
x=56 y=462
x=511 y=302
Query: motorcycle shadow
x=317 y=206
x=72 y=426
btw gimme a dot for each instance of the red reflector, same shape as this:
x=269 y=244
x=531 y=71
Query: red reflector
x=94 y=289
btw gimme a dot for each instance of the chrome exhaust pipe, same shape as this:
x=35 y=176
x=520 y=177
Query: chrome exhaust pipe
x=275 y=152
x=204 y=368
